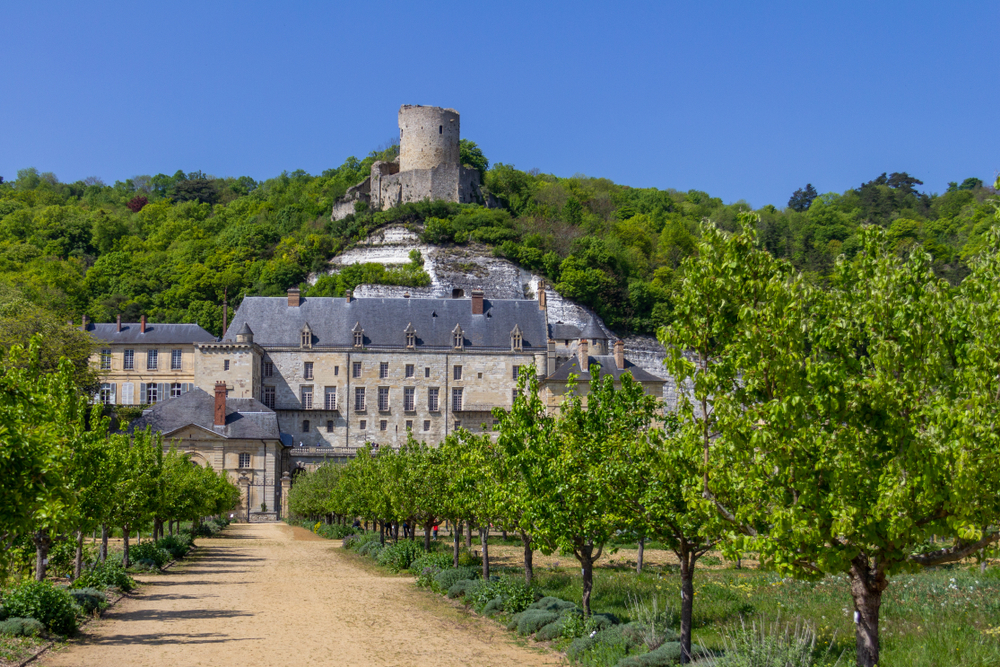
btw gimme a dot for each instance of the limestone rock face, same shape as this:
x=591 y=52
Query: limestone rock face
x=457 y=270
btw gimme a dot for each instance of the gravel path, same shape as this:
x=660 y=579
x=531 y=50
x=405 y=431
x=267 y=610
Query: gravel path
x=271 y=594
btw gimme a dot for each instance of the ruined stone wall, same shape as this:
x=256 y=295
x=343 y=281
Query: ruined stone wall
x=428 y=137
x=469 y=184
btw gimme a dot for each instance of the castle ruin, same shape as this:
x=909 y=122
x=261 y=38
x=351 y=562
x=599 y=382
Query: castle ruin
x=428 y=166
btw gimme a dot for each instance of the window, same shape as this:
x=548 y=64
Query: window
x=408 y=398
x=305 y=425
x=307 y=398
x=496 y=424
x=383 y=399
x=244 y=460
x=269 y=397
x=151 y=360
x=307 y=370
x=432 y=399
x=329 y=426
x=152 y=393
x=336 y=370
x=427 y=371
x=440 y=129
x=457 y=337
x=330 y=398
x=175 y=389
x=516 y=339
x=356 y=369
x=479 y=376
x=514 y=370
x=513 y=397
x=409 y=370
x=411 y=335
x=129 y=360
x=175 y=359
x=457 y=373
x=359 y=335
x=105 y=360
x=359 y=399
x=383 y=425
x=225 y=364
x=306 y=338
x=268 y=369
x=362 y=425
x=409 y=424
x=456 y=399
x=107 y=394
x=427 y=424
x=458 y=425
x=383 y=370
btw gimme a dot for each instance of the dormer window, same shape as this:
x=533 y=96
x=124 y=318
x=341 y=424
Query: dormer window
x=411 y=336
x=359 y=335
x=516 y=339
x=457 y=337
x=306 y=340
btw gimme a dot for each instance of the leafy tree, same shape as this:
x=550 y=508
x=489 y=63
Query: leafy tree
x=470 y=154
x=802 y=198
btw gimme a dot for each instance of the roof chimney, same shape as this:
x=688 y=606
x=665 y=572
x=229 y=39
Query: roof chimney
x=620 y=354
x=142 y=324
x=477 y=302
x=293 y=298
x=83 y=327
x=348 y=295
x=119 y=324
x=220 y=403
x=541 y=295
x=583 y=355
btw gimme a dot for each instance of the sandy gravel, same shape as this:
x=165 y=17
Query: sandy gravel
x=270 y=594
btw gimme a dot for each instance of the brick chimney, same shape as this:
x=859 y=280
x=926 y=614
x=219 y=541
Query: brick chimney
x=220 y=403
x=620 y=354
x=348 y=295
x=541 y=295
x=293 y=298
x=583 y=354
x=119 y=324
x=142 y=324
x=477 y=302
x=83 y=327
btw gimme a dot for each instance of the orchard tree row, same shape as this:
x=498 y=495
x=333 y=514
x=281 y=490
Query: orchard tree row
x=64 y=473
x=849 y=431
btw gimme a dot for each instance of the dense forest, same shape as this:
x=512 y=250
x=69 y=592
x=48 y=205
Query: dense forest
x=171 y=247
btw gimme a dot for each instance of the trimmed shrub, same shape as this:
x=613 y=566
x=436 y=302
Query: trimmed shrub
x=465 y=559
x=606 y=647
x=109 y=574
x=458 y=588
x=553 y=630
x=21 y=627
x=52 y=606
x=151 y=552
x=549 y=603
x=398 y=557
x=514 y=595
x=89 y=599
x=531 y=621
x=176 y=545
x=444 y=579
x=667 y=654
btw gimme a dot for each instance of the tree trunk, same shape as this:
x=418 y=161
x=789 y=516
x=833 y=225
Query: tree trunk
x=427 y=536
x=43 y=542
x=104 y=542
x=381 y=532
x=687 y=557
x=468 y=536
x=867 y=584
x=529 y=553
x=587 y=567
x=78 y=559
x=638 y=558
x=125 y=561
x=456 y=536
x=484 y=537
x=503 y=534
x=413 y=530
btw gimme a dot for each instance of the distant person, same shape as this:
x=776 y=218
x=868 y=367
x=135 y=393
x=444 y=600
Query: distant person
x=406 y=530
x=356 y=524
x=435 y=531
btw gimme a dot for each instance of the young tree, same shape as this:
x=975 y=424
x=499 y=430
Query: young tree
x=136 y=492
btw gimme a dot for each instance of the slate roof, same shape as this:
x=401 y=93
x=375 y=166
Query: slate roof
x=593 y=330
x=155 y=333
x=560 y=331
x=608 y=366
x=246 y=418
x=384 y=320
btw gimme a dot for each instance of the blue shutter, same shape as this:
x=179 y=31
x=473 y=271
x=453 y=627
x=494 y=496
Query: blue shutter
x=142 y=393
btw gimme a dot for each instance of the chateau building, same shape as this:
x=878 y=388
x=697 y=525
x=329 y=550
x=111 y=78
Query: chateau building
x=297 y=381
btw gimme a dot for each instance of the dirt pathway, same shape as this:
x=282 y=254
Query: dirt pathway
x=270 y=594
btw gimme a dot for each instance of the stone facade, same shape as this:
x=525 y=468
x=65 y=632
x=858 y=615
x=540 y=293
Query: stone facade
x=428 y=166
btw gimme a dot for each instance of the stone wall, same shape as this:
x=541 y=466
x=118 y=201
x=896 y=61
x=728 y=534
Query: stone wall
x=243 y=376
x=428 y=137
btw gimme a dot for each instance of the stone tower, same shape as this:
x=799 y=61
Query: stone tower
x=428 y=138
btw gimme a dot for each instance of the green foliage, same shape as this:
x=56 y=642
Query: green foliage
x=176 y=545
x=459 y=588
x=529 y=622
x=152 y=552
x=89 y=599
x=427 y=566
x=397 y=557
x=21 y=627
x=52 y=606
x=446 y=578
x=775 y=644
x=509 y=594
x=109 y=574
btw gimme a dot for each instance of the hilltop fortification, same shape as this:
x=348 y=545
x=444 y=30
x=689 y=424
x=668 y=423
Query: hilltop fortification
x=428 y=166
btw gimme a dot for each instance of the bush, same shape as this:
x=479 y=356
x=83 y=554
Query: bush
x=105 y=575
x=514 y=594
x=89 y=599
x=428 y=566
x=52 y=606
x=399 y=556
x=444 y=579
x=605 y=647
x=333 y=531
x=21 y=627
x=530 y=622
x=465 y=559
x=667 y=654
x=458 y=588
x=555 y=629
x=772 y=644
x=176 y=545
x=549 y=603
x=493 y=607
x=150 y=552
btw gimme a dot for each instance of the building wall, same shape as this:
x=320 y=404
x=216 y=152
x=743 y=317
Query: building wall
x=242 y=378
x=554 y=393
x=428 y=137
x=122 y=379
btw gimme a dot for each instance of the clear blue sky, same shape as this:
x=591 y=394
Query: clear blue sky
x=743 y=100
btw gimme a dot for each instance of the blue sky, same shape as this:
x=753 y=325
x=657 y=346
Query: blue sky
x=742 y=100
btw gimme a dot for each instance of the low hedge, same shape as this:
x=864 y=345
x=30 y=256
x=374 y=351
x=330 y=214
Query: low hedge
x=21 y=627
x=445 y=579
x=89 y=599
x=109 y=574
x=50 y=605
